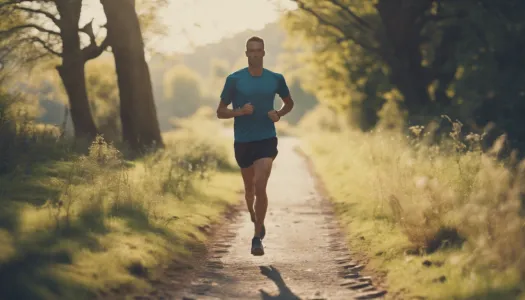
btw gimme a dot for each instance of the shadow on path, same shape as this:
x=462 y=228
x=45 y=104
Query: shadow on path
x=284 y=291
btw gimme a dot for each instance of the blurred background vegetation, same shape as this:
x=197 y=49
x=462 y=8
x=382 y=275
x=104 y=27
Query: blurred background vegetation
x=367 y=62
x=182 y=83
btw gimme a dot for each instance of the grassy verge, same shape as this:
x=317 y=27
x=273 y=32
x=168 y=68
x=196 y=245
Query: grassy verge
x=441 y=224
x=93 y=224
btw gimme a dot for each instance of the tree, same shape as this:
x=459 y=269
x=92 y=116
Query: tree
x=459 y=58
x=140 y=126
x=415 y=41
x=57 y=34
x=392 y=32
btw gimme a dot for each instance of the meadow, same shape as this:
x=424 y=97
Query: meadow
x=442 y=220
x=79 y=222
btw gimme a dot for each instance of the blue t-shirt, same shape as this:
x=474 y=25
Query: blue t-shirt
x=240 y=88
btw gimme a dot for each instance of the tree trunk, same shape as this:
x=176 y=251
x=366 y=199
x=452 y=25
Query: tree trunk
x=73 y=78
x=402 y=34
x=72 y=70
x=140 y=126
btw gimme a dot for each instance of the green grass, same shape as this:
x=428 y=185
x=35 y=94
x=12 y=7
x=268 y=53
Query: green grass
x=94 y=224
x=441 y=224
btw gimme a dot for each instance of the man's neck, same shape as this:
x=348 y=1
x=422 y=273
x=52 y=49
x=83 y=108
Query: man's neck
x=255 y=71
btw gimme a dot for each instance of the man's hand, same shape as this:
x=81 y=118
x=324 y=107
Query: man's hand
x=272 y=114
x=247 y=109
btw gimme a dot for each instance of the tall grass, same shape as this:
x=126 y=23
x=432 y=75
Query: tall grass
x=76 y=224
x=22 y=141
x=406 y=194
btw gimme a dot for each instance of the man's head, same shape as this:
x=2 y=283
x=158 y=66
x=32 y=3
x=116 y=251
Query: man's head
x=255 y=51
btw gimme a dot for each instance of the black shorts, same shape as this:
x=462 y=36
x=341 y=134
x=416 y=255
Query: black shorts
x=247 y=153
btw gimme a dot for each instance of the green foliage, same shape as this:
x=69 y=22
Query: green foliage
x=16 y=46
x=339 y=73
x=455 y=58
x=24 y=143
x=196 y=132
x=196 y=162
x=487 y=84
x=42 y=96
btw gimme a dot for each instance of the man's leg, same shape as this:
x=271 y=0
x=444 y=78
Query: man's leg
x=262 y=171
x=243 y=156
x=264 y=154
x=248 y=178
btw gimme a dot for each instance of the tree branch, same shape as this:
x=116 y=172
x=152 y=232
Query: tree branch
x=343 y=33
x=11 y=2
x=39 y=11
x=11 y=46
x=362 y=23
x=88 y=29
x=38 y=40
x=36 y=57
x=14 y=2
x=92 y=50
x=26 y=26
x=27 y=57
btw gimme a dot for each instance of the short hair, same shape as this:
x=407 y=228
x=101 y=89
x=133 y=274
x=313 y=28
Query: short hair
x=255 y=39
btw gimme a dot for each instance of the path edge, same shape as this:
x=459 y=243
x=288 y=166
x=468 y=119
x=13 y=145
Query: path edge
x=379 y=276
x=180 y=273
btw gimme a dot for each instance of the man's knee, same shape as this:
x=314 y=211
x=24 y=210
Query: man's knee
x=260 y=187
x=262 y=170
x=249 y=191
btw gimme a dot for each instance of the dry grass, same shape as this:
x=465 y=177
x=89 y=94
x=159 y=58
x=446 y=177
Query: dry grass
x=97 y=223
x=445 y=221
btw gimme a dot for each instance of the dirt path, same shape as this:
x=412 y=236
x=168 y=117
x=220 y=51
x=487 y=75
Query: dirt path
x=305 y=256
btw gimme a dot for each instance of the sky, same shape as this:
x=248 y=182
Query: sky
x=197 y=22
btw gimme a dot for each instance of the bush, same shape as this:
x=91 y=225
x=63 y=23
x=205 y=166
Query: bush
x=24 y=143
x=195 y=162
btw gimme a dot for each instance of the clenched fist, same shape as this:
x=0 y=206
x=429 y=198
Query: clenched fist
x=247 y=109
x=272 y=114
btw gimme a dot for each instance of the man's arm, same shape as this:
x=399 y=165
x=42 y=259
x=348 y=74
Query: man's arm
x=287 y=106
x=284 y=93
x=223 y=112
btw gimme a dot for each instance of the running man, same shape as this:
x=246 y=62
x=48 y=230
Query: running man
x=251 y=91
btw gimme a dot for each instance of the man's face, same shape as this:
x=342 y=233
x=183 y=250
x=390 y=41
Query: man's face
x=255 y=53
